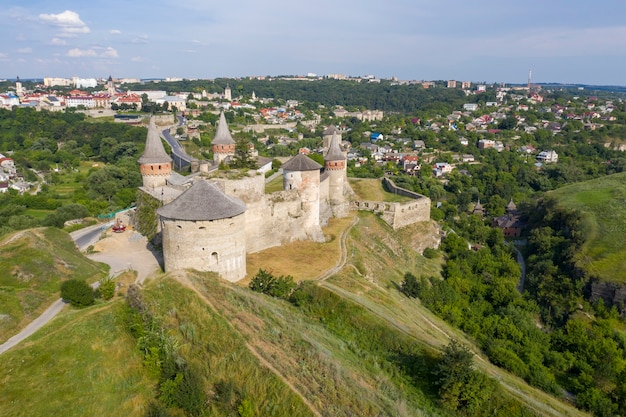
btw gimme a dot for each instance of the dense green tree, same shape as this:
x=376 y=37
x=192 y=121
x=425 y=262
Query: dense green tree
x=77 y=292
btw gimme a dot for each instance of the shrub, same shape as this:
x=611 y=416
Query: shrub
x=266 y=283
x=430 y=253
x=107 y=288
x=410 y=286
x=77 y=292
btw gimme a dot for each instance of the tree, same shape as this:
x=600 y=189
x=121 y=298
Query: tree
x=410 y=286
x=460 y=385
x=77 y=292
x=242 y=158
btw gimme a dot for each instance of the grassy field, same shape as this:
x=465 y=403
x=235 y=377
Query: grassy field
x=372 y=189
x=302 y=260
x=603 y=200
x=82 y=364
x=33 y=263
x=208 y=341
x=337 y=375
x=275 y=185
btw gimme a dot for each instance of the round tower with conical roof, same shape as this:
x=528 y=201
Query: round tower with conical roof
x=303 y=174
x=204 y=229
x=155 y=165
x=223 y=144
x=335 y=166
x=327 y=137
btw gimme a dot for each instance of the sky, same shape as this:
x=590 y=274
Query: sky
x=571 y=42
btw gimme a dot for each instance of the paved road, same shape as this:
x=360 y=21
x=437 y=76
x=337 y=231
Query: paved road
x=35 y=325
x=89 y=235
x=83 y=238
x=38 y=323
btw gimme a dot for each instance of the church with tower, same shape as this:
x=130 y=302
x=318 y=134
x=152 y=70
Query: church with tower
x=209 y=220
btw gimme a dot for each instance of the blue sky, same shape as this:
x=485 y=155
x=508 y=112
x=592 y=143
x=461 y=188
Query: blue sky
x=484 y=40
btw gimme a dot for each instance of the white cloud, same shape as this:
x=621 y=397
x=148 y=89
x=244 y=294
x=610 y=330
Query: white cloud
x=80 y=53
x=68 y=22
x=3 y=56
x=141 y=39
x=115 y=32
x=25 y=50
x=58 y=41
x=137 y=59
x=96 y=52
x=20 y=37
x=110 y=53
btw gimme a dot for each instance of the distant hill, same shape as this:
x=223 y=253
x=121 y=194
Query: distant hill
x=603 y=203
x=33 y=263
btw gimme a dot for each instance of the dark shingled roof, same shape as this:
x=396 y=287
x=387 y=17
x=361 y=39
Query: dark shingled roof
x=154 y=152
x=203 y=201
x=301 y=162
x=330 y=130
x=334 y=150
x=222 y=135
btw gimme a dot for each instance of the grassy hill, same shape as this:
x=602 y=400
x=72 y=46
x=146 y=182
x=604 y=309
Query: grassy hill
x=353 y=345
x=33 y=263
x=82 y=364
x=603 y=201
x=372 y=189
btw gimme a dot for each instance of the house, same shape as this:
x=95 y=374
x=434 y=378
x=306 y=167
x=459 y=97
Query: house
x=486 y=143
x=418 y=144
x=442 y=168
x=470 y=106
x=547 y=157
x=375 y=136
x=511 y=223
x=467 y=158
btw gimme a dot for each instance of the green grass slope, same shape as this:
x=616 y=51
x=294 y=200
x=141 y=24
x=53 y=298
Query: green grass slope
x=82 y=364
x=352 y=346
x=603 y=201
x=33 y=263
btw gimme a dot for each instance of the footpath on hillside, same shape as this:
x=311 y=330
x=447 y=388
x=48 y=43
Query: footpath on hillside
x=122 y=252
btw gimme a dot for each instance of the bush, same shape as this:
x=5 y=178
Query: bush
x=410 y=286
x=266 y=283
x=107 y=288
x=78 y=293
x=430 y=253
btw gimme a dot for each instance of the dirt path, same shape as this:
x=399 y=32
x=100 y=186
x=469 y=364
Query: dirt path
x=343 y=253
x=542 y=407
x=184 y=280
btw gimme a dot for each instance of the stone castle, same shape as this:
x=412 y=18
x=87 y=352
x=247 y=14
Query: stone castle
x=211 y=219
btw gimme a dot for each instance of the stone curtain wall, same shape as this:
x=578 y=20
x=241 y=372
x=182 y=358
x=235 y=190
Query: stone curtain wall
x=397 y=215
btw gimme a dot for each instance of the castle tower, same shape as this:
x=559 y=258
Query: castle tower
x=19 y=90
x=204 y=229
x=227 y=93
x=303 y=174
x=335 y=166
x=155 y=165
x=223 y=144
x=253 y=97
x=327 y=136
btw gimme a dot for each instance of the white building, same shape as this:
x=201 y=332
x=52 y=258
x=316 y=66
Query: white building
x=547 y=157
x=85 y=82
